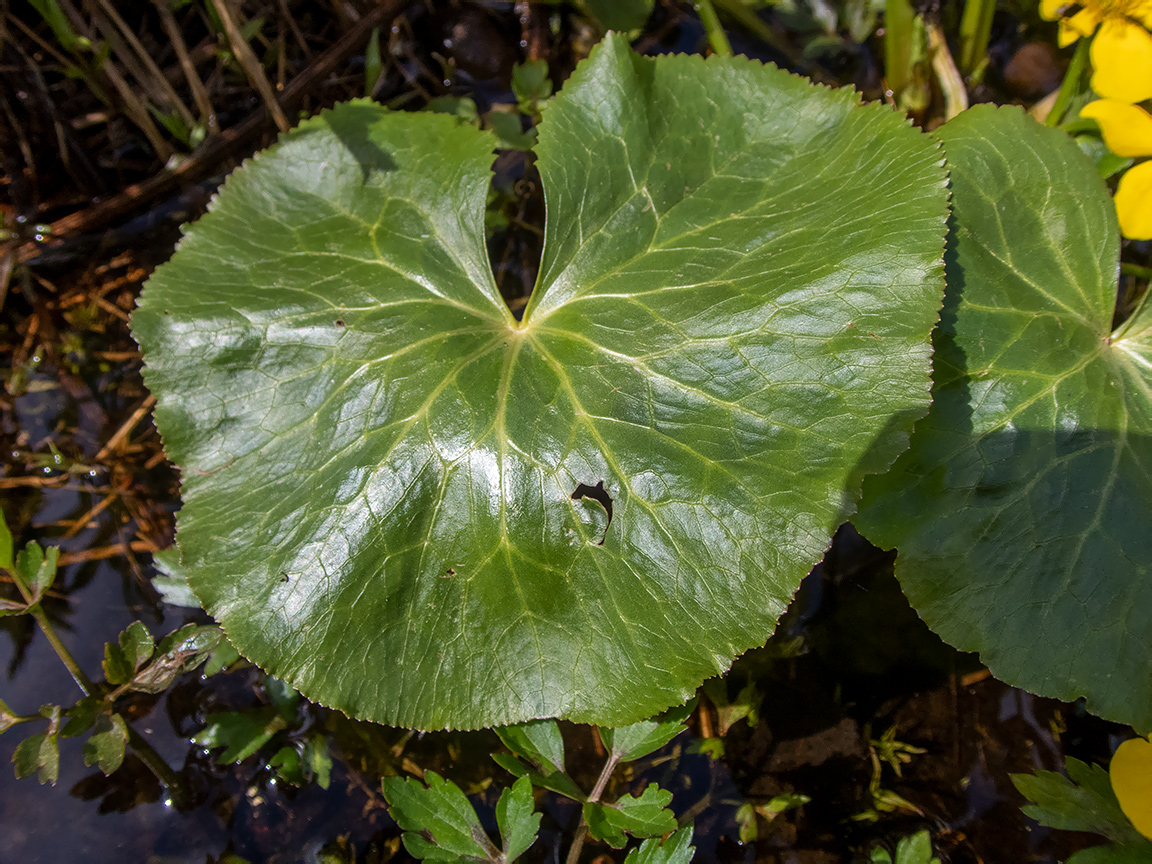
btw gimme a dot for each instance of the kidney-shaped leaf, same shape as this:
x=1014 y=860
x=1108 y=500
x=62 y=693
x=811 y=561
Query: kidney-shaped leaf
x=1021 y=510
x=420 y=510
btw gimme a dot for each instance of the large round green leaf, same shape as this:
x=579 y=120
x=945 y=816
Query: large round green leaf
x=421 y=511
x=1021 y=511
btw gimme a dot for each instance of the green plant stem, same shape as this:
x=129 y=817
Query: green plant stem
x=78 y=675
x=1135 y=270
x=898 y=36
x=717 y=38
x=142 y=748
x=754 y=24
x=1070 y=84
x=582 y=832
x=975 y=29
x=156 y=764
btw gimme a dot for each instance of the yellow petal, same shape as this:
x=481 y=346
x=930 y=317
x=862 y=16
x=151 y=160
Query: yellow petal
x=1122 y=57
x=1131 y=773
x=1084 y=22
x=1050 y=10
x=1065 y=34
x=1127 y=128
x=1134 y=208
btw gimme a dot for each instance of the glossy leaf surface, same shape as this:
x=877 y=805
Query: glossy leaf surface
x=426 y=513
x=1021 y=510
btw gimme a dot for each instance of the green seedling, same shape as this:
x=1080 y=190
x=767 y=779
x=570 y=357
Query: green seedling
x=440 y=823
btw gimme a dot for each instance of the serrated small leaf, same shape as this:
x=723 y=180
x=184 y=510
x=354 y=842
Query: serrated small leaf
x=439 y=822
x=518 y=822
x=730 y=328
x=82 y=716
x=6 y=546
x=677 y=849
x=241 y=733
x=39 y=755
x=105 y=747
x=643 y=816
x=1083 y=801
x=628 y=743
x=538 y=741
x=37 y=566
x=123 y=657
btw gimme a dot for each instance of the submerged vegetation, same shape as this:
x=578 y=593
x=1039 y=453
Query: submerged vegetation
x=463 y=449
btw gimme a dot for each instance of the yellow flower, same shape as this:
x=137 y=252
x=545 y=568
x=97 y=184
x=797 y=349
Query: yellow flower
x=1134 y=202
x=1131 y=774
x=1127 y=129
x=1121 y=53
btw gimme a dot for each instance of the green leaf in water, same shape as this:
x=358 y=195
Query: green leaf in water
x=584 y=513
x=644 y=816
x=439 y=823
x=1021 y=510
x=105 y=747
x=518 y=823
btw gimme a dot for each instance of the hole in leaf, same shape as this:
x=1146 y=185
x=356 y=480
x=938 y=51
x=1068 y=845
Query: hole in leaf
x=339 y=322
x=600 y=495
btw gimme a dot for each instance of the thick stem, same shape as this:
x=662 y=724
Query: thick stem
x=717 y=38
x=1070 y=85
x=601 y=783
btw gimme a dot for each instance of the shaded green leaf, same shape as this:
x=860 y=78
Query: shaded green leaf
x=39 y=754
x=105 y=747
x=129 y=653
x=626 y=743
x=745 y=706
x=439 y=823
x=730 y=328
x=538 y=741
x=618 y=14
x=644 y=816
x=1082 y=801
x=531 y=85
x=317 y=760
x=518 y=823
x=37 y=566
x=1113 y=854
x=241 y=733
x=82 y=716
x=1021 y=510
x=677 y=849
